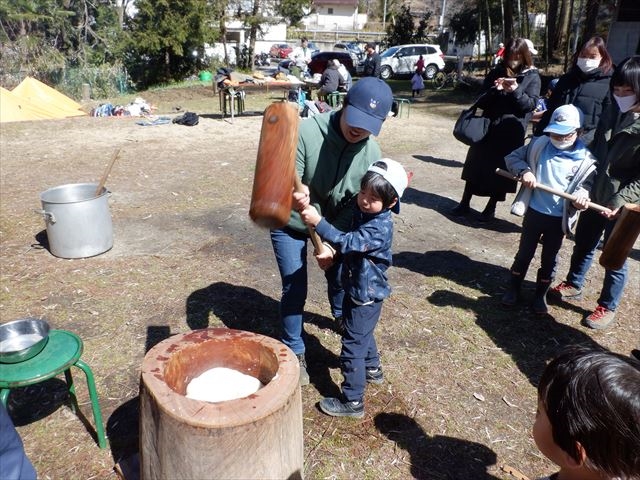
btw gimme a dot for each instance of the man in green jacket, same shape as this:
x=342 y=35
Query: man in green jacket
x=334 y=152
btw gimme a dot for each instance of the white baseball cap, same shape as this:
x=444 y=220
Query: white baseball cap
x=531 y=47
x=395 y=174
x=564 y=120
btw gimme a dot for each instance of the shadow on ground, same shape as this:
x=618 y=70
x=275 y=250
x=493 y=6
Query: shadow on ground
x=444 y=205
x=531 y=340
x=246 y=308
x=436 y=457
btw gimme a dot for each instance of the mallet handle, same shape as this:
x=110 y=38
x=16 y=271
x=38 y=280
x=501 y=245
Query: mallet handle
x=544 y=188
x=315 y=238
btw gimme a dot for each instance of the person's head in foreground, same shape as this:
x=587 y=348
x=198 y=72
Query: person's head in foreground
x=564 y=126
x=588 y=418
x=625 y=83
x=382 y=186
x=367 y=106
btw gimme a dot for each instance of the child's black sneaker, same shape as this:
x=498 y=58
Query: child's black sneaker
x=337 y=408
x=375 y=375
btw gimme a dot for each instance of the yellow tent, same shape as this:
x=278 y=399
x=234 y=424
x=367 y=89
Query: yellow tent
x=33 y=100
x=16 y=109
x=47 y=97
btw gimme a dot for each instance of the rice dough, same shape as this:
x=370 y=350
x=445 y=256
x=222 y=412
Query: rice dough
x=221 y=384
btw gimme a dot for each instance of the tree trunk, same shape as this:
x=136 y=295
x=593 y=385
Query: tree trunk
x=504 y=34
x=508 y=20
x=563 y=26
x=488 y=40
x=552 y=16
x=591 y=15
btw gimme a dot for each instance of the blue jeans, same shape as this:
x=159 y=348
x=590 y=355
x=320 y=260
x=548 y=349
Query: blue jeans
x=590 y=227
x=359 y=348
x=290 y=248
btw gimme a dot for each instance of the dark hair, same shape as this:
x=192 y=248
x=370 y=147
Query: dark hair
x=606 y=63
x=369 y=45
x=628 y=73
x=592 y=396
x=379 y=185
x=517 y=46
x=303 y=39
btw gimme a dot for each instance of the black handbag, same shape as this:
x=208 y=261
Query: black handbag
x=471 y=128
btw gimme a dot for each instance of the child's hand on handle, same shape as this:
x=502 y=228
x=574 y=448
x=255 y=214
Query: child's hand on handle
x=529 y=180
x=310 y=215
x=325 y=259
x=611 y=214
x=581 y=202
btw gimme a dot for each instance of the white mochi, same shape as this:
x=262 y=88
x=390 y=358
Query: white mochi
x=221 y=384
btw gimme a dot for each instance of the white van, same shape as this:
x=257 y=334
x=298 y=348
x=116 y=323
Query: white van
x=401 y=60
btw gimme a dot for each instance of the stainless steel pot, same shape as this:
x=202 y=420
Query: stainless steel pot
x=78 y=222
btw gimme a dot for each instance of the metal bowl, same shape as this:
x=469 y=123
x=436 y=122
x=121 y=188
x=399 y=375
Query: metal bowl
x=22 y=339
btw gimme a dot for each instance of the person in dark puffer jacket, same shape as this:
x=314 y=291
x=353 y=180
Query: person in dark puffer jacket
x=586 y=86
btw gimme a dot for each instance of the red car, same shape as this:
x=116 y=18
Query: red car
x=280 y=50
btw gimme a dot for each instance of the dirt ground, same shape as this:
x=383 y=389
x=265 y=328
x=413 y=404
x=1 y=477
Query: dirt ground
x=459 y=397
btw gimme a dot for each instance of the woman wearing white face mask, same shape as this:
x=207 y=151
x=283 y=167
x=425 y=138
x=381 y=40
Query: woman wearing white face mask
x=617 y=183
x=511 y=92
x=585 y=85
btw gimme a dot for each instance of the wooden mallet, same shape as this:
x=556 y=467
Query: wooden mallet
x=275 y=176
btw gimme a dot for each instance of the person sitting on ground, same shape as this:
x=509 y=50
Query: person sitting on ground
x=329 y=81
x=365 y=252
x=562 y=162
x=588 y=417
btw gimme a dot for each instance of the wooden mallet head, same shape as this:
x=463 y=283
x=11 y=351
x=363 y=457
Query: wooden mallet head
x=275 y=166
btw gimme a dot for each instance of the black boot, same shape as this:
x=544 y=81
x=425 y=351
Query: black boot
x=489 y=211
x=463 y=208
x=512 y=295
x=539 y=304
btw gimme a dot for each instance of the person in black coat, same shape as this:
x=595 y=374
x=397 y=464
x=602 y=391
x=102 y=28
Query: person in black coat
x=329 y=81
x=510 y=93
x=372 y=62
x=586 y=86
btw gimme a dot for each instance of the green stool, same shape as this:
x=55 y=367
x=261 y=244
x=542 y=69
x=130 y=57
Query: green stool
x=336 y=99
x=401 y=105
x=62 y=351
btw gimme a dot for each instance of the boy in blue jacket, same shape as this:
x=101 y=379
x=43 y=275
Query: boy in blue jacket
x=560 y=161
x=365 y=257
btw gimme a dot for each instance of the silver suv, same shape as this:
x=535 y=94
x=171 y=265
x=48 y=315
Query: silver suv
x=401 y=60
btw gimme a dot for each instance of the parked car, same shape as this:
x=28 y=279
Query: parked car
x=351 y=47
x=401 y=60
x=313 y=47
x=319 y=61
x=280 y=50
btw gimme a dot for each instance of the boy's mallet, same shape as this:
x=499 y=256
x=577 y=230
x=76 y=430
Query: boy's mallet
x=275 y=175
x=544 y=188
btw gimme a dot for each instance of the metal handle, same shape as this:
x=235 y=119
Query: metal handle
x=47 y=216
